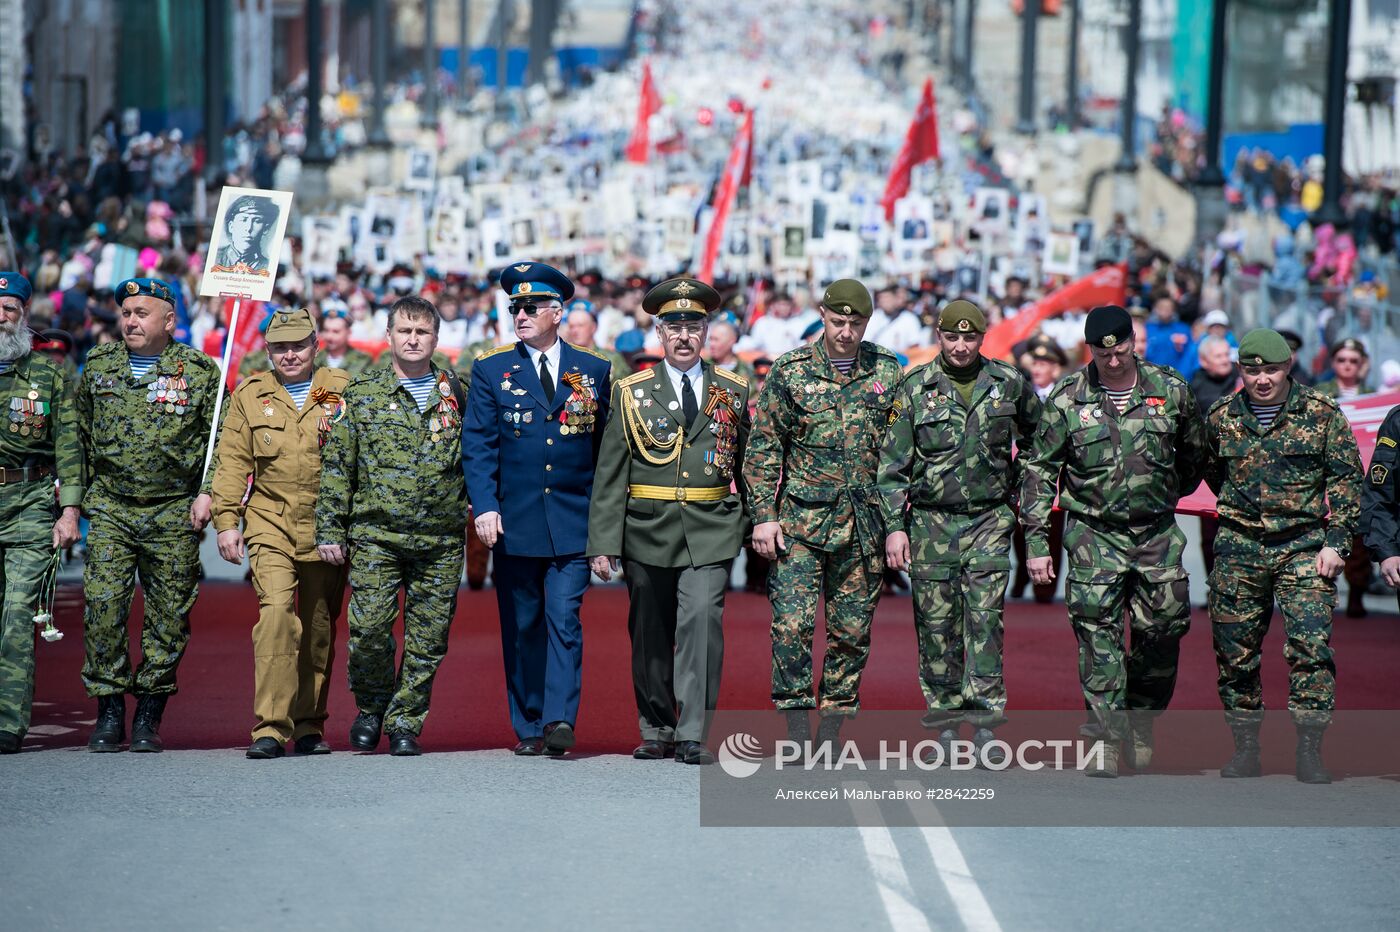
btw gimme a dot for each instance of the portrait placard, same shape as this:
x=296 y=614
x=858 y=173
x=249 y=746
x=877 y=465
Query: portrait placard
x=246 y=242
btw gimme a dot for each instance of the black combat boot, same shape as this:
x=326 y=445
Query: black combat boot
x=829 y=730
x=1308 y=764
x=1245 y=763
x=110 y=730
x=145 y=727
x=799 y=729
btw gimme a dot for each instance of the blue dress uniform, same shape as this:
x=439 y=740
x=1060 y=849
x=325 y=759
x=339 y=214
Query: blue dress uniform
x=531 y=459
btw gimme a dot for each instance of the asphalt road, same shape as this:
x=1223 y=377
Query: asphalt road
x=208 y=840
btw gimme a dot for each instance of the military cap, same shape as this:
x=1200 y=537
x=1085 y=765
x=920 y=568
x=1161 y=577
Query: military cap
x=681 y=299
x=762 y=365
x=848 y=296
x=1107 y=326
x=1139 y=312
x=1264 y=347
x=150 y=287
x=814 y=328
x=1349 y=343
x=645 y=361
x=290 y=326
x=530 y=280
x=1291 y=337
x=15 y=285
x=1049 y=349
x=581 y=304
x=630 y=341
x=54 y=340
x=962 y=317
x=256 y=204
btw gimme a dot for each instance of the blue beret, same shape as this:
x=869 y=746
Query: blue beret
x=580 y=304
x=13 y=284
x=150 y=287
x=536 y=280
x=814 y=328
x=630 y=341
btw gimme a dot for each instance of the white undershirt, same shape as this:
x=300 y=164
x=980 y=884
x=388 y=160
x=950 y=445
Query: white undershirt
x=696 y=373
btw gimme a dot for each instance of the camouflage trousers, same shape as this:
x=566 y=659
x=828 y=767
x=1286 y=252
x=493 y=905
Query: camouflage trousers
x=429 y=580
x=797 y=581
x=1138 y=573
x=127 y=540
x=26 y=546
x=1248 y=577
x=960 y=569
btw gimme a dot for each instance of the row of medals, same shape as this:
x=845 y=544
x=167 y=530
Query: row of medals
x=441 y=422
x=170 y=392
x=27 y=415
x=577 y=417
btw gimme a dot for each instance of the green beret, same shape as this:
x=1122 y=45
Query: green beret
x=290 y=326
x=848 y=296
x=1264 y=347
x=962 y=317
x=681 y=299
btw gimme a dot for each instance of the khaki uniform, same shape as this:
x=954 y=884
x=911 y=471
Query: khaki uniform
x=266 y=439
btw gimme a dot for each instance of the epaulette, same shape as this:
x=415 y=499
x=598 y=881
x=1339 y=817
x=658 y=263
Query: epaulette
x=1312 y=394
x=103 y=349
x=634 y=378
x=1221 y=402
x=1001 y=365
x=494 y=352
x=190 y=354
x=591 y=351
x=793 y=355
x=731 y=376
x=878 y=350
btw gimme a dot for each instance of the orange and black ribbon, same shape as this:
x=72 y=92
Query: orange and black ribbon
x=721 y=399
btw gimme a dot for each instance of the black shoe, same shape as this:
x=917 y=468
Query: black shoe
x=693 y=752
x=9 y=744
x=799 y=727
x=652 y=749
x=829 y=730
x=558 y=738
x=311 y=744
x=364 y=731
x=110 y=731
x=145 y=726
x=1308 y=763
x=265 y=749
x=1245 y=762
x=404 y=745
x=946 y=737
x=993 y=756
x=529 y=747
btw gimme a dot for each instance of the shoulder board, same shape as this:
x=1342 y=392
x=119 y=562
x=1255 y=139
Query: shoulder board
x=494 y=352
x=256 y=382
x=1221 y=403
x=338 y=378
x=1166 y=372
x=591 y=351
x=1005 y=369
x=1063 y=386
x=40 y=361
x=1313 y=395
x=731 y=376
x=201 y=359
x=635 y=377
x=878 y=350
x=793 y=355
x=104 y=349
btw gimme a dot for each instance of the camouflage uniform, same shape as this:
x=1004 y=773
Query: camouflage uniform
x=39 y=441
x=356 y=362
x=1275 y=487
x=144 y=446
x=811 y=465
x=393 y=494
x=1120 y=476
x=946 y=477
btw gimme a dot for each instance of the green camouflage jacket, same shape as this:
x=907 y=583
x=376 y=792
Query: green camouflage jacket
x=146 y=438
x=1125 y=470
x=42 y=428
x=390 y=473
x=942 y=455
x=1283 y=480
x=814 y=454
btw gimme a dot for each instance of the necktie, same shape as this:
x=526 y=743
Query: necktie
x=689 y=407
x=545 y=379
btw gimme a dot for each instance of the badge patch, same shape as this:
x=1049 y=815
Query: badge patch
x=1379 y=474
x=1386 y=441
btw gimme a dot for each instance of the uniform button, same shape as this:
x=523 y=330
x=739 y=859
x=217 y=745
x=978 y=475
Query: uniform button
x=549 y=417
x=687 y=446
x=517 y=433
x=549 y=467
x=546 y=491
x=685 y=475
x=549 y=441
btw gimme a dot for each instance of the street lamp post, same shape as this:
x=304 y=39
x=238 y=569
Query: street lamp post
x=379 y=65
x=1215 y=104
x=1072 y=69
x=969 y=40
x=315 y=152
x=464 y=51
x=1339 y=23
x=1030 y=16
x=428 y=116
x=215 y=74
x=1127 y=161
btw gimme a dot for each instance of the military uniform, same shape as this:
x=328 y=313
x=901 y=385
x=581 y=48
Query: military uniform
x=1275 y=487
x=1380 y=497
x=144 y=441
x=663 y=502
x=355 y=362
x=1357 y=572
x=1119 y=475
x=267 y=438
x=811 y=465
x=38 y=443
x=947 y=478
x=392 y=494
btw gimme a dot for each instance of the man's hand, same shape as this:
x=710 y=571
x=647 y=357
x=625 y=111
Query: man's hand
x=897 y=551
x=231 y=545
x=65 y=529
x=200 y=510
x=489 y=527
x=1390 y=572
x=1041 y=570
x=1329 y=563
x=768 y=539
x=604 y=567
x=334 y=554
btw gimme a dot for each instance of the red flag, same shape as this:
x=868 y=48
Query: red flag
x=1108 y=285
x=246 y=339
x=724 y=198
x=639 y=145
x=920 y=145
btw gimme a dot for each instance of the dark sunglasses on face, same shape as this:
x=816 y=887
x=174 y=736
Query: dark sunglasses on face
x=530 y=309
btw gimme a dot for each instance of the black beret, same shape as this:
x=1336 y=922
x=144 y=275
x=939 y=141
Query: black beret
x=1107 y=326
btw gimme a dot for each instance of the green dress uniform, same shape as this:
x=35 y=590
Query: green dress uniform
x=144 y=440
x=1275 y=485
x=39 y=443
x=665 y=501
x=354 y=362
x=392 y=493
x=811 y=465
x=1120 y=475
x=947 y=478
x=267 y=477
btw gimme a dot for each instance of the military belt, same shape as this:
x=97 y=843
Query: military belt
x=1272 y=537
x=665 y=493
x=25 y=474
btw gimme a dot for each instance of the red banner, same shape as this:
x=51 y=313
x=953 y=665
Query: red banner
x=920 y=145
x=734 y=170
x=248 y=337
x=1108 y=285
x=639 y=145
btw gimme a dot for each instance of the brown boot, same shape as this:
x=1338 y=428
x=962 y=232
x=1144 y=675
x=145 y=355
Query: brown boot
x=1109 y=766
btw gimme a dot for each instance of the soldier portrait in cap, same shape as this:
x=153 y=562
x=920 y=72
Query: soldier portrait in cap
x=245 y=241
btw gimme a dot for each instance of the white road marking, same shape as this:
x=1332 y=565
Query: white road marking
x=896 y=893
x=51 y=730
x=962 y=887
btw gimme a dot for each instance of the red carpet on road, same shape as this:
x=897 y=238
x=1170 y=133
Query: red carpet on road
x=213 y=707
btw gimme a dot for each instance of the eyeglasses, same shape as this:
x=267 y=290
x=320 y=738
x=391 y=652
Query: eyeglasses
x=532 y=309
x=683 y=330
